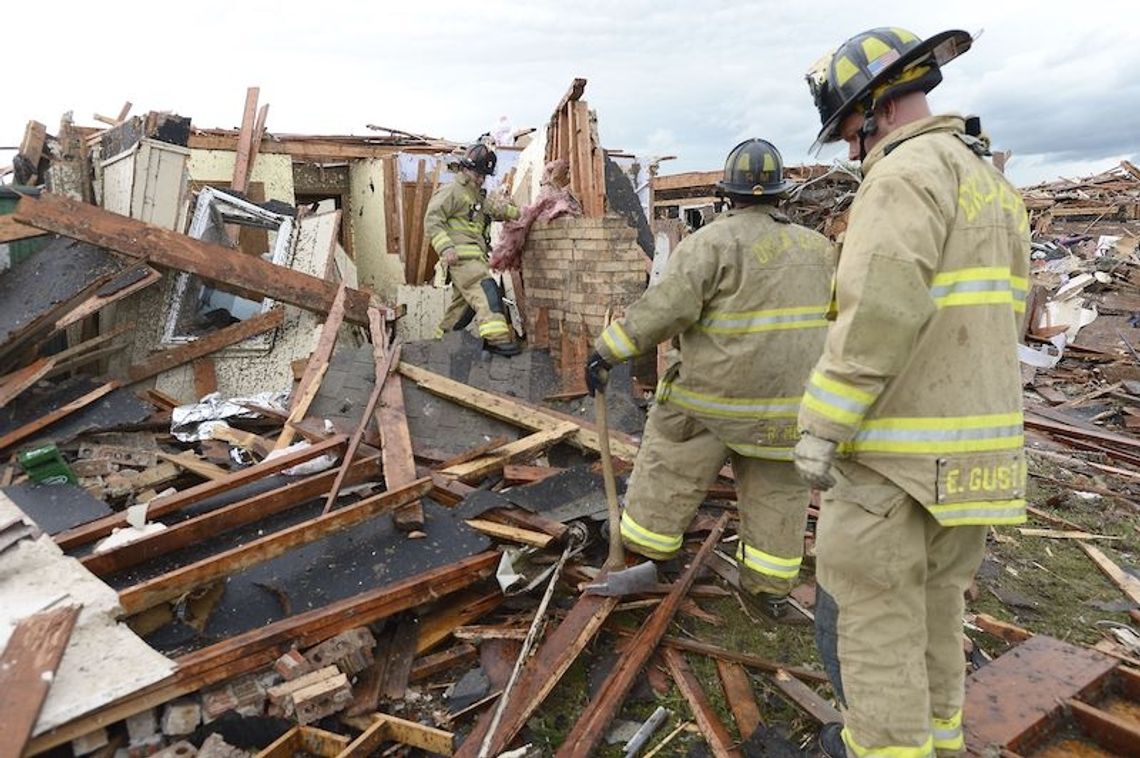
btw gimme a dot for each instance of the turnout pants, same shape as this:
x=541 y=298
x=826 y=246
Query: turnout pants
x=678 y=460
x=471 y=284
x=889 y=615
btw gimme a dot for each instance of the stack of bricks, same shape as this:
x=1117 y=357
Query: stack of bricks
x=573 y=270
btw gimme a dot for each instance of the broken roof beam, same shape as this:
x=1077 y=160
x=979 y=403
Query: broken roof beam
x=231 y=269
x=258 y=648
x=168 y=586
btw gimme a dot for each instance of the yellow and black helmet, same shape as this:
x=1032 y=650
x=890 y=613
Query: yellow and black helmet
x=754 y=167
x=480 y=158
x=876 y=65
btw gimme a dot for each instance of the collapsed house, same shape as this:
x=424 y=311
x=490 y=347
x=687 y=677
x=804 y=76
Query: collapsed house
x=246 y=507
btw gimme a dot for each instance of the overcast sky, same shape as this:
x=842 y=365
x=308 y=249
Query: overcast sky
x=1056 y=82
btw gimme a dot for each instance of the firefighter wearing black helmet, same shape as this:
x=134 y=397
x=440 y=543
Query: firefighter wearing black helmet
x=746 y=295
x=458 y=223
x=912 y=417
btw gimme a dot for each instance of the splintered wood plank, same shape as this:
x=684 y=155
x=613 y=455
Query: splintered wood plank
x=27 y=667
x=171 y=585
x=741 y=698
x=438 y=625
x=507 y=409
x=1127 y=583
x=220 y=520
x=419 y=204
x=474 y=452
x=161 y=506
x=12 y=230
x=205 y=376
x=714 y=731
x=425 y=244
x=224 y=337
x=97 y=302
x=401 y=656
x=542 y=672
x=391 y=218
x=428 y=666
x=1003 y=630
x=510 y=533
x=1108 y=730
x=189 y=461
x=1017 y=695
x=383 y=363
x=248 y=275
x=32 y=427
x=807 y=699
x=515 y=473
x=529 y=446
x=392 y=421
x=245 y=141
x=591 y=725
x=387 y=728
x=314 y=370
x=18 y=381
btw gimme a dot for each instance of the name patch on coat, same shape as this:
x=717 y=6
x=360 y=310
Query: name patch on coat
x=981 y=476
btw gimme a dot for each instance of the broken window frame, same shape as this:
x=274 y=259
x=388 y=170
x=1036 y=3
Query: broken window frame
x=214 y=210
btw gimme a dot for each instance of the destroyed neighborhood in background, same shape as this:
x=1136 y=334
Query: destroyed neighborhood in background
x=247 y=505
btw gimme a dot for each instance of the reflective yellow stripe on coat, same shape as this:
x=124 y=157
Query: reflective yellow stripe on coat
x=982 y=285
x=836 y=400
x=618 y=341
x=934 y=436
x=728 y=407
x=755 y=322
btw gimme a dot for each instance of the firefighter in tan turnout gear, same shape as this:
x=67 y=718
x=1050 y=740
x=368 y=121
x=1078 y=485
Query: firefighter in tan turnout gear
x=457 y=222
x=917 y=396
x=747 y=295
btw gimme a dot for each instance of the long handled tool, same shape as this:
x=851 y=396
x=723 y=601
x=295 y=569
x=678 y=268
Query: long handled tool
x=616 y=558
x=616 y=580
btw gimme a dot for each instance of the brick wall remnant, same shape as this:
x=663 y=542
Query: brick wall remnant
x=573 y=270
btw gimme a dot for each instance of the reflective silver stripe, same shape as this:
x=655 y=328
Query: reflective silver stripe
x=983 y=515
x=715 y=323
x=976 y=285
x=938 y=435
x=715 y=405
x=839 y=401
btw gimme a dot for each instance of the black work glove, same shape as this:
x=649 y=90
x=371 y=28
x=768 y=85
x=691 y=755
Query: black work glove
x=597 y=373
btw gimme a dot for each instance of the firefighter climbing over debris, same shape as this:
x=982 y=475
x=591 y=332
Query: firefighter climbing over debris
x=458 y=222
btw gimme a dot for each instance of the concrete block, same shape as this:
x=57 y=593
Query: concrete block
x=141 y=726
x=89 y=742
x=181 y=717
x=322 y=699
x=350 y=651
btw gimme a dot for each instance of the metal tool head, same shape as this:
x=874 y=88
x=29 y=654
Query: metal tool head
x=634 y=580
